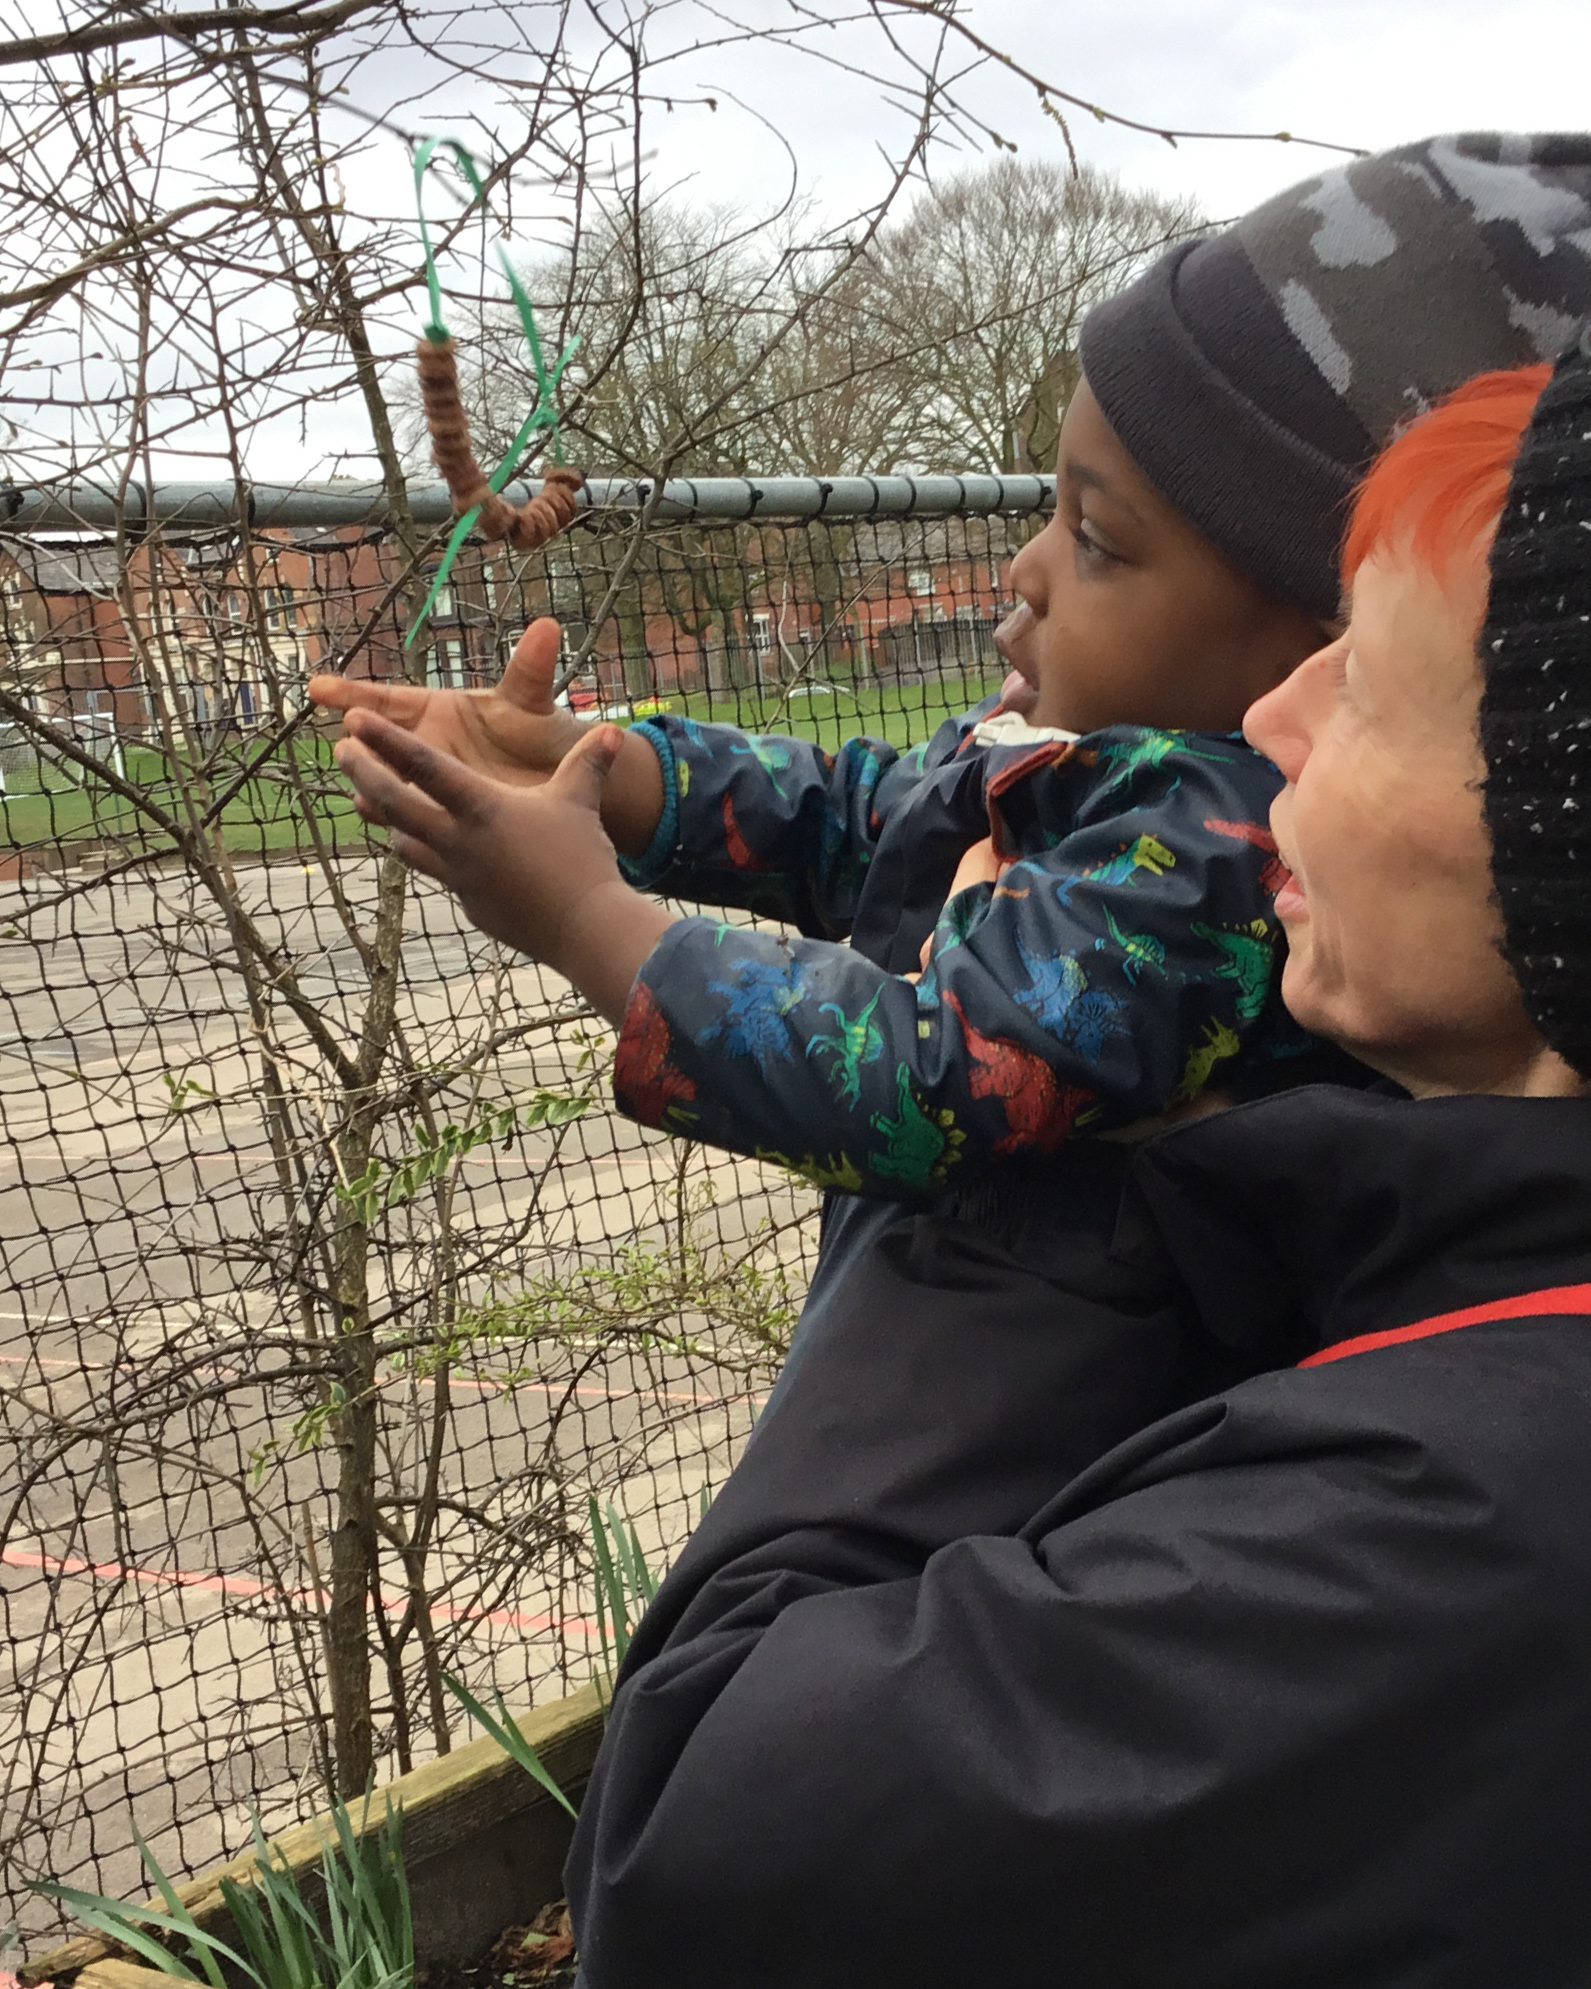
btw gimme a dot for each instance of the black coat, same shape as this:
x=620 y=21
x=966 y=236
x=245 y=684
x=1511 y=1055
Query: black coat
x=1102 y=1645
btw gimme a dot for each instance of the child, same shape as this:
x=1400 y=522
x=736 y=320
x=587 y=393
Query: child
x=1115 y=950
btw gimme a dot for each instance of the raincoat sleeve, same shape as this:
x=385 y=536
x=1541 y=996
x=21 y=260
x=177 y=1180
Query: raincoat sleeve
x=1104 y=979
x=777 y=825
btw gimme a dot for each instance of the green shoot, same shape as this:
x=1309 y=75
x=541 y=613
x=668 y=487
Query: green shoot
x=625 y=1585
x=508 y=1738
x=367 y=1941
x=367 y=1905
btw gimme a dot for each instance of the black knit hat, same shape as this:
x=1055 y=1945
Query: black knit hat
x=1253 y=376
x=1535 y=717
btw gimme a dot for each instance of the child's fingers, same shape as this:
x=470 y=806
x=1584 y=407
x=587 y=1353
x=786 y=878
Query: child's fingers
x=386 y=798
x=527 y=682
x=418 y=856
x=583 y=772
x=447 y=780
x=402 y=703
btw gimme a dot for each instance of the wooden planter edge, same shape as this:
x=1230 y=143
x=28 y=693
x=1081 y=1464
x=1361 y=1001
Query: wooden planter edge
x=445 y=1804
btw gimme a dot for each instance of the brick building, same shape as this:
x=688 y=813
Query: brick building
x=219 y=637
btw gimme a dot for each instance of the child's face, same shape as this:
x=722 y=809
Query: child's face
x=1131 y=615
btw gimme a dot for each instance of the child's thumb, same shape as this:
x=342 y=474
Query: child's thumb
x=583 y=773
x=528 y=680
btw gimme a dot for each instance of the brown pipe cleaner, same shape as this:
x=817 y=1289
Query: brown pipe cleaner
x=529 y=525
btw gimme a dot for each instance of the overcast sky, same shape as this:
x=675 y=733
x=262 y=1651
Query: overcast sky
x=1371 y=73
x=1363 y=72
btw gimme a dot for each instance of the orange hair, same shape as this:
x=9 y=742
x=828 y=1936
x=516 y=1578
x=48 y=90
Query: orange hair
x=1436 y=491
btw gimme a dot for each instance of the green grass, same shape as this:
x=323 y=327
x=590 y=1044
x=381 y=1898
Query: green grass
x=45 y=807
x=38 y=812
x=904 y=714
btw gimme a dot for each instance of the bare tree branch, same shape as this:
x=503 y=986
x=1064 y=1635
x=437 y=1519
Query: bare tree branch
x=298 y=22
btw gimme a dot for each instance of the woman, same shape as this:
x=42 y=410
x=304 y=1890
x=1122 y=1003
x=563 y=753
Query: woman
x=1235 y=1628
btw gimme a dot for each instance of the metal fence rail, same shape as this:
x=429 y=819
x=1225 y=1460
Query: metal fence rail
x=84 y=506
x=332 y=1289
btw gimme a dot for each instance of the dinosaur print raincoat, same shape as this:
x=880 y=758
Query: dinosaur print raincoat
x=1124 y=958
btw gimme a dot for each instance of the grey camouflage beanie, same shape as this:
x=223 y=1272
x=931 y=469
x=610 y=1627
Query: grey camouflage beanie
x=1535 y=714
x=1254 y=375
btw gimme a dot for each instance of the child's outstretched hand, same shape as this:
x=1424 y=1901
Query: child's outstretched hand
x=533 y=867
x=514 y=732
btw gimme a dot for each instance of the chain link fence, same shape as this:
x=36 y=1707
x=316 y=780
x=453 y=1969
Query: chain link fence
x=333 y=1288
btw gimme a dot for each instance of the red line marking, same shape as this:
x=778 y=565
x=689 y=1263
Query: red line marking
x=1547 y=1303
x=240 y=1585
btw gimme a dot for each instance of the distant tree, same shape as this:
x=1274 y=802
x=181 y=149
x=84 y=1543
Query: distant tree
x=950 y=345
x=986 y=282
x=844 y=393
x=670 y=309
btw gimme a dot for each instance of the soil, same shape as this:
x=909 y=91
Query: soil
x=540 y=1956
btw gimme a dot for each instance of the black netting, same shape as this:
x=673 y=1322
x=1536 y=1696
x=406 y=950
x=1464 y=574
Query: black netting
x=317 y=1227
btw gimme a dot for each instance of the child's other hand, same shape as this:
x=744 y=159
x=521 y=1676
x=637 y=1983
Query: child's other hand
x=532 y=867
x=978 y=865
x=514 y=732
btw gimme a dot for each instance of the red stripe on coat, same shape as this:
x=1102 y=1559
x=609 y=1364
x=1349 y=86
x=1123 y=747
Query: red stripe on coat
x=1527 y=1305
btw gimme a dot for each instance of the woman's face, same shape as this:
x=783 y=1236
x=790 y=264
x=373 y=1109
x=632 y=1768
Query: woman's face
x=1392 y=931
